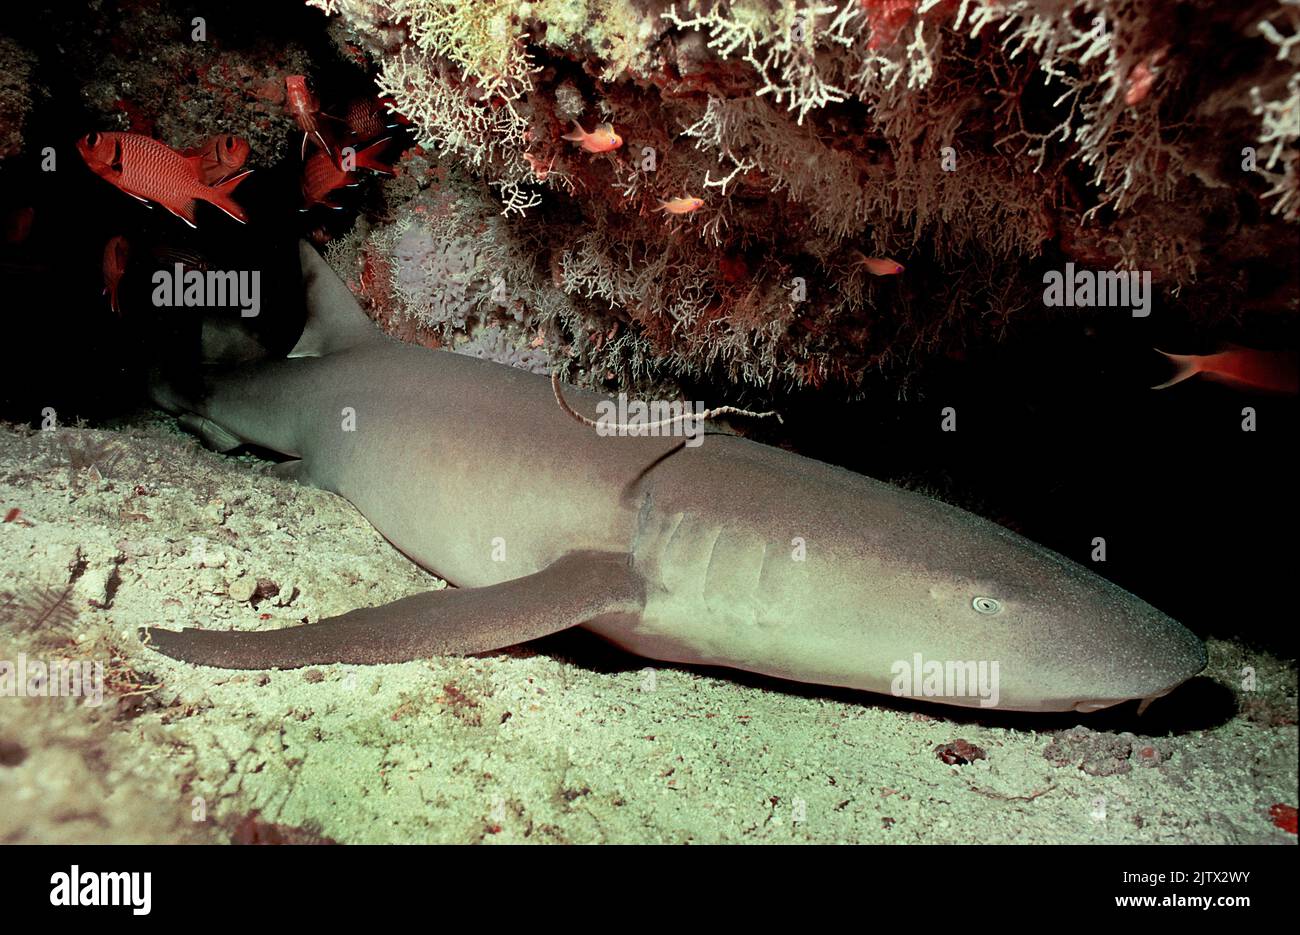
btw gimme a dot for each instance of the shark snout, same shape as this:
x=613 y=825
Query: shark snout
x=1154 y=674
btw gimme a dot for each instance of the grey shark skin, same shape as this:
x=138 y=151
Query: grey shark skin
x=731 y=553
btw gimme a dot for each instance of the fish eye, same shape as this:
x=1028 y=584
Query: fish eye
x=986 y=605
x=230 y=142
x=92 y=139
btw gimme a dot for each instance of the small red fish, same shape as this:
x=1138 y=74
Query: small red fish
x=1241 y=368
x=603 y=139
x=148 y=170
x=322 y=175
x=116 y=254
x=1142 y=76
x=305 y=108
x=879 y=266
x=219 y=157
x=681 y=205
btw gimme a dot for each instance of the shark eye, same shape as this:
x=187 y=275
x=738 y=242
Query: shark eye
x=986 y=605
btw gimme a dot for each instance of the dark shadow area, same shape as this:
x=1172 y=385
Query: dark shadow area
x=1200 y=704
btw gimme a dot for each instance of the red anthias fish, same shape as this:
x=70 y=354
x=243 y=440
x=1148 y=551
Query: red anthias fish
x=681 y=205
x=305 y=107
x=116 y=254
x=1241 y=368
x=603 y=139
x=878 y=265
x=322 y=175
x=151 y=171
x=218 y=157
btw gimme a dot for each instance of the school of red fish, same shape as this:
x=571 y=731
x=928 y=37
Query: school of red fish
x=152 y=172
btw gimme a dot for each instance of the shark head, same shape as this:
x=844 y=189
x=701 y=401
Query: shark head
x=974 y=614
x=1063 y=638
x=894 y=592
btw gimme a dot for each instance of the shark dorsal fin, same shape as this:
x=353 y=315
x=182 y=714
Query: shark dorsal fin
x=335 y=321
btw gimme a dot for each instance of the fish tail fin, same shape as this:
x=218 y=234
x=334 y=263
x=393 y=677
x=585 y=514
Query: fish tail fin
x=219 y=195
x=577 y=134
x=368 y=158
x=1189 y=365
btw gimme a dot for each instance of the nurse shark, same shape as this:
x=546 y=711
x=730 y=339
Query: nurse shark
x=727 y=553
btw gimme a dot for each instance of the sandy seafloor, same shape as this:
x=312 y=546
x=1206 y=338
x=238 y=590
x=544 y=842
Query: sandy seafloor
x=562 y=741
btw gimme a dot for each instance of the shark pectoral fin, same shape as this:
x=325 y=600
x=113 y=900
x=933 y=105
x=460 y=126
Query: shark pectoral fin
x=579 y=587
x=294 y=470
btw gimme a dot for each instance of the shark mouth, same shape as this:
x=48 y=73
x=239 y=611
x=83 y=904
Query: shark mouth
x=1087 y=707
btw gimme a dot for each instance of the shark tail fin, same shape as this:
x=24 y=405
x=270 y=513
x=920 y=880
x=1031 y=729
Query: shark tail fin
x=1189 y=365
x=334 y=319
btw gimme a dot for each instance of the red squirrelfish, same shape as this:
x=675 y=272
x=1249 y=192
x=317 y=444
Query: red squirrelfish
x=603 y=139
x=219 y=157
x=116 y=254
x=369 y=117
x=322 y=175
x=305 y=108
x=681 y=205
x=1241 y=368
x=151 y=171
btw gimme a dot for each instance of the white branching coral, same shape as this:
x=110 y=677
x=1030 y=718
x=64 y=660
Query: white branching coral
x=1280 y=117
x=460 y=72
x=782 y=48
x=747 y=135
x=449 y=119
x=516 y=198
